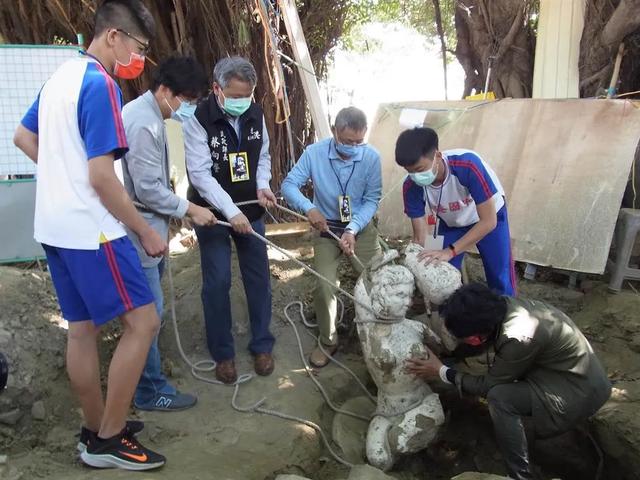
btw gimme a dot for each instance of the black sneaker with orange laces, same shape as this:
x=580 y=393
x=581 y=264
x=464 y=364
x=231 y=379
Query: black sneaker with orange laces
x=86 y=435
x=121 y=451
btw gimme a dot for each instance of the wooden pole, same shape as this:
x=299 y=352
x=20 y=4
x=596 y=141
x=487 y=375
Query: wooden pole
x=616 y=72
x=305 y=68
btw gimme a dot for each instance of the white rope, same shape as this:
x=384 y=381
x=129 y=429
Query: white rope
x=341 y=365
x=309 y=324
x=208 y=365
x=329 y=356
x=302 y=217
x=379 y=318
x=201 y=365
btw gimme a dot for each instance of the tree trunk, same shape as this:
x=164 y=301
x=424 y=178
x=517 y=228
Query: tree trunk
x=500 y=29
x=208 y=30
x=607 y=24
x=443 y=44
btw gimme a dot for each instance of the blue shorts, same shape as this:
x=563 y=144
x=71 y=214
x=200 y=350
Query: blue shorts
x=495 y=251
x=98 y=285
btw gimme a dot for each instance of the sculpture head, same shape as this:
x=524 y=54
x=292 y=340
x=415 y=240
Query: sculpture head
x=391 y=292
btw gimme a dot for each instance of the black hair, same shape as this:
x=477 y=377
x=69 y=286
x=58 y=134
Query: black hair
x=132 y=16
x=183 y=75
x=414 y=144
x=473 y=309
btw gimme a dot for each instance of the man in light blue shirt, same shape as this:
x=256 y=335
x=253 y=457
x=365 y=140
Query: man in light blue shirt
x=347 y=185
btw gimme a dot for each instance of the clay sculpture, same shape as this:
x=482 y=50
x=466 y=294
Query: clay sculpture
x=408 y=412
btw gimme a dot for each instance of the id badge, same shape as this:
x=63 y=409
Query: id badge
x=344 y=206
x=239 y=166
x=432 y=243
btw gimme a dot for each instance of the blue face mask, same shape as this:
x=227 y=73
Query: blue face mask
x=185 y=111
x=424 y=179
x=348 y=150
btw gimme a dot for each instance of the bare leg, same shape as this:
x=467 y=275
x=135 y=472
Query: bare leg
x=83 y=367
x=140 y=327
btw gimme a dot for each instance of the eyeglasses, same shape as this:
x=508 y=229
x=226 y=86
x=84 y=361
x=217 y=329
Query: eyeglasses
x=351 y=143
x=145 y=46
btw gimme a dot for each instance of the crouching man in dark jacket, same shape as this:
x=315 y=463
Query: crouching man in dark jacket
x=544 y=368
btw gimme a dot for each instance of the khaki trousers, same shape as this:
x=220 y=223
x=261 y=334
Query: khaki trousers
x=326 y=258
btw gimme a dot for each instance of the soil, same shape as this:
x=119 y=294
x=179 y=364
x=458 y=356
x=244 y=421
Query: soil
x=39 y=418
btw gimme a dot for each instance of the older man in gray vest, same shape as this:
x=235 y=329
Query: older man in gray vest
x=228 y=162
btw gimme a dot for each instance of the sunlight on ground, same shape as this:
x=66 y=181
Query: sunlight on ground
x=287 y=274
x=182 y=241
x=285 y=383
x=396 y=64
x=311 y=432
x=301 y=371
x=278 y=256
x=619 y=394
x=58 y=321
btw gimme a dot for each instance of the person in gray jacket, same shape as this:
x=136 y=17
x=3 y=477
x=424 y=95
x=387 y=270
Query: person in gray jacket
x=544 y=368
x=177 y=84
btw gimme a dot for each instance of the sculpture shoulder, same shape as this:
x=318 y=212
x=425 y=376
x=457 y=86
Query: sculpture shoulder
x=414 y=324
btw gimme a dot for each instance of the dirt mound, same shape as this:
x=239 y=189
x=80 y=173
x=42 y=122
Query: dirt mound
x=212 y=437
x=612 y=324
x=38 y=416
x=33 y=339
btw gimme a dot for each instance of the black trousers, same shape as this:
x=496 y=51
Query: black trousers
x=508 y=403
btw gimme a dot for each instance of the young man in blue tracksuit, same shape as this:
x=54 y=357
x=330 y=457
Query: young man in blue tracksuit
x=461 y=196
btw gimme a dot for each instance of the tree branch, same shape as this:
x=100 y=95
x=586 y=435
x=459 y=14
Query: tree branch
x=487 y=19
x=625 y=19
x=443 y=45
x=596 y=76
x=507 y=42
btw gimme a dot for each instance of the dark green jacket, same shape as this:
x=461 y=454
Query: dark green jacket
x=540 y=345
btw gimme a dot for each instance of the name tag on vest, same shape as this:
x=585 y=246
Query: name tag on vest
x=239 y=166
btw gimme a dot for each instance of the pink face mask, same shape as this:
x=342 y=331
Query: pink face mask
x=131 y=70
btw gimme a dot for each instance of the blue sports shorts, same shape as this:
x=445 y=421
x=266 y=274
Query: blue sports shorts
x=98 y=285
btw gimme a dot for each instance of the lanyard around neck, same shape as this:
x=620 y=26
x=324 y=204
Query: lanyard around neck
x=343 y=189
x=435 y=214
